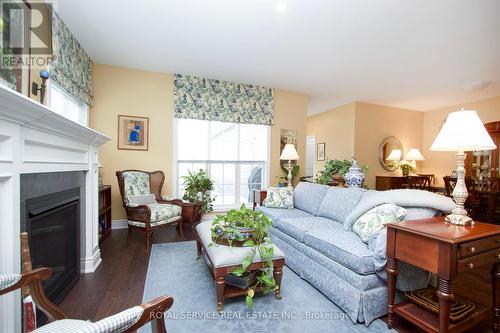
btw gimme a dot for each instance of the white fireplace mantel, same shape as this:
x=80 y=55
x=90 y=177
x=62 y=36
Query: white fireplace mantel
x=34 y=139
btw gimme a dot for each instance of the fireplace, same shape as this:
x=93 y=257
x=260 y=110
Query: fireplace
x=52 y=206
x=52 y=225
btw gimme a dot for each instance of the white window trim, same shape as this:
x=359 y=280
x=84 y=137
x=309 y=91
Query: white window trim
x=84 y=107
x=219 y=208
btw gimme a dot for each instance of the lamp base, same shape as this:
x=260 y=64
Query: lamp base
x=459 y=219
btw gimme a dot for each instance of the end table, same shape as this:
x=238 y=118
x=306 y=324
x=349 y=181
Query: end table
x=258 y=197
x=445 y=250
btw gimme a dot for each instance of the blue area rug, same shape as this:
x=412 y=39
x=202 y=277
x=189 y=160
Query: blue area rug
x=173 y=270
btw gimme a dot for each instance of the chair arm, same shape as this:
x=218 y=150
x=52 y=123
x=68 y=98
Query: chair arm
x=34 y=278
x=140 y=213
x=177 y=202
x=29 y=279
x=154 y=311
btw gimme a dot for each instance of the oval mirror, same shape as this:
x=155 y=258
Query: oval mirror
x=390 y=153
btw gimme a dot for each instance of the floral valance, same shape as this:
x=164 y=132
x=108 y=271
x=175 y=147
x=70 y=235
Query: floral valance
x=205 y=99
x=71 y=66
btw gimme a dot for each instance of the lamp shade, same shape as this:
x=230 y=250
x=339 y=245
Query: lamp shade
x=289 y=153
x=414 y=155
x=463 y=131
x=395 y=155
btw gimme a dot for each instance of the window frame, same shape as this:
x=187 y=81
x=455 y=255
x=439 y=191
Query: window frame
x=84 y=108
x=237 y=163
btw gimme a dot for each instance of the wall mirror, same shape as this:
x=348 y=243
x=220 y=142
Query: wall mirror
x=390 y=153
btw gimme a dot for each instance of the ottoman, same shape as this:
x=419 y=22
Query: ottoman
x=221 y=260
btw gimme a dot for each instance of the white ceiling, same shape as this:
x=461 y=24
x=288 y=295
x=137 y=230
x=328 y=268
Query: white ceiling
x=411 y=54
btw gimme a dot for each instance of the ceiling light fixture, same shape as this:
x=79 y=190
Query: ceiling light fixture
x=281 y=7
x=474 y=86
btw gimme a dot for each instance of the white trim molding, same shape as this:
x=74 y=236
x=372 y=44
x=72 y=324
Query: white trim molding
x=119 y=224
x=33 y=139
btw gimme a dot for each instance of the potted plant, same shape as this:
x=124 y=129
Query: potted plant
x=197 y=192
x=334 y=172
x=248 y=228
x=406 y=167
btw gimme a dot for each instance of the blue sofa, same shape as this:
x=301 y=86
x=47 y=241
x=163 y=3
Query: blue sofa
x=335 y=261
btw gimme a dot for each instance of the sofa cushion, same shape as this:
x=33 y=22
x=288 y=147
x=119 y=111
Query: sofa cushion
x=297 y=227
x=279 y=197
x=338 y=202
x=308 y=196
x=374 y=220
x=344 y=247
x=277 y=213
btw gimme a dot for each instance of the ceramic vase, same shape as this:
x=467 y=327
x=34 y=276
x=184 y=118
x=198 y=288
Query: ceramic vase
x=355 y=176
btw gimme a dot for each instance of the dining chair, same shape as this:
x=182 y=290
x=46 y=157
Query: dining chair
x=420 y=183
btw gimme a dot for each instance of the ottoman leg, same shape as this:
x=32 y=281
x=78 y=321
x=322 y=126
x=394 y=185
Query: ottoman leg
x=278 y=273
x=219 y=285
x=198 y=249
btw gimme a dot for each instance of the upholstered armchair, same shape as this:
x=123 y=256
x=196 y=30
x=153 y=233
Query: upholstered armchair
x=146 y=209
x=124 y=322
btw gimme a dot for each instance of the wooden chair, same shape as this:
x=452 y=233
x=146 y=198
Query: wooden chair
x=146 y=209
x=420 y=183
x=473 y=203
x=127 y=321
x=431 y=176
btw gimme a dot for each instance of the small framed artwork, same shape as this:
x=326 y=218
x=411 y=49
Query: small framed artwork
x=133 y=132
x=321 y=151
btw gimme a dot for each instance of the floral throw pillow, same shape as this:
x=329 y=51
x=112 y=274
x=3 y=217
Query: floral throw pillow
x=279 y=197
x=371 y=222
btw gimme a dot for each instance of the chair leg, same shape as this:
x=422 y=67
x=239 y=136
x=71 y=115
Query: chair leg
x=129 y=232
x=179 y=226
x=148 y=239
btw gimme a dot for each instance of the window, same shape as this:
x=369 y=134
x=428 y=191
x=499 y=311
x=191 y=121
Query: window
x=234 y=155
x=66 y=105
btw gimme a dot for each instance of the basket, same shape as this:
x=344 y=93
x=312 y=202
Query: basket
x=427 y=298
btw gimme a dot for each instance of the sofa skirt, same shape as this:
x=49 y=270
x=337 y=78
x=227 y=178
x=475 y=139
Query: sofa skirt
x=362 y=297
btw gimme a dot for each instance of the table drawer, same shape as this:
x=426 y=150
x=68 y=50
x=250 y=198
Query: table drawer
x=479 y=246
x=486 y=258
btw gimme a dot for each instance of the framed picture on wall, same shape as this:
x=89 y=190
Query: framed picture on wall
x=133 y=133
x=321 y=151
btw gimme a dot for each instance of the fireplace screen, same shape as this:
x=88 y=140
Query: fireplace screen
x=52 y=223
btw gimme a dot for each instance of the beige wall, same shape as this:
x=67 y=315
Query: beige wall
x=374 y=123
x=357 y=129
x=442 y=163
x=133 y=92
x=290 y=112
x=335 y=128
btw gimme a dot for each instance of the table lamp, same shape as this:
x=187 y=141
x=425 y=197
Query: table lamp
x=462 y=131
x=413 y=156
x=289 y=154
x=395 y=157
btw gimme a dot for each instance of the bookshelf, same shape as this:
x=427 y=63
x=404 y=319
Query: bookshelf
x=104 y=212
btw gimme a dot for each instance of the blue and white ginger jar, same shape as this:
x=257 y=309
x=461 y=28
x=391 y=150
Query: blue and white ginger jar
x=355 y=176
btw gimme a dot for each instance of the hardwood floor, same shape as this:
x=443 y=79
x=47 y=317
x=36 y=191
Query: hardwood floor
x=118 y=282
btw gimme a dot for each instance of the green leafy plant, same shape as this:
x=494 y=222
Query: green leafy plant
x=333 y=168
x=198 y=187
x=406 y=168
x=249 y=228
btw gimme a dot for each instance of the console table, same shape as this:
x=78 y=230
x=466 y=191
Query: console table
x=258 y=197
x=445 y=250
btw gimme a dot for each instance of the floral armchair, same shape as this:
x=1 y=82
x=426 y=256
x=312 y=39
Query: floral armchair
x=146 y=209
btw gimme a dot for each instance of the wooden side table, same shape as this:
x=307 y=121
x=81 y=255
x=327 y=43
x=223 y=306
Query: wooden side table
x=445 y=250
x=258 y=197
